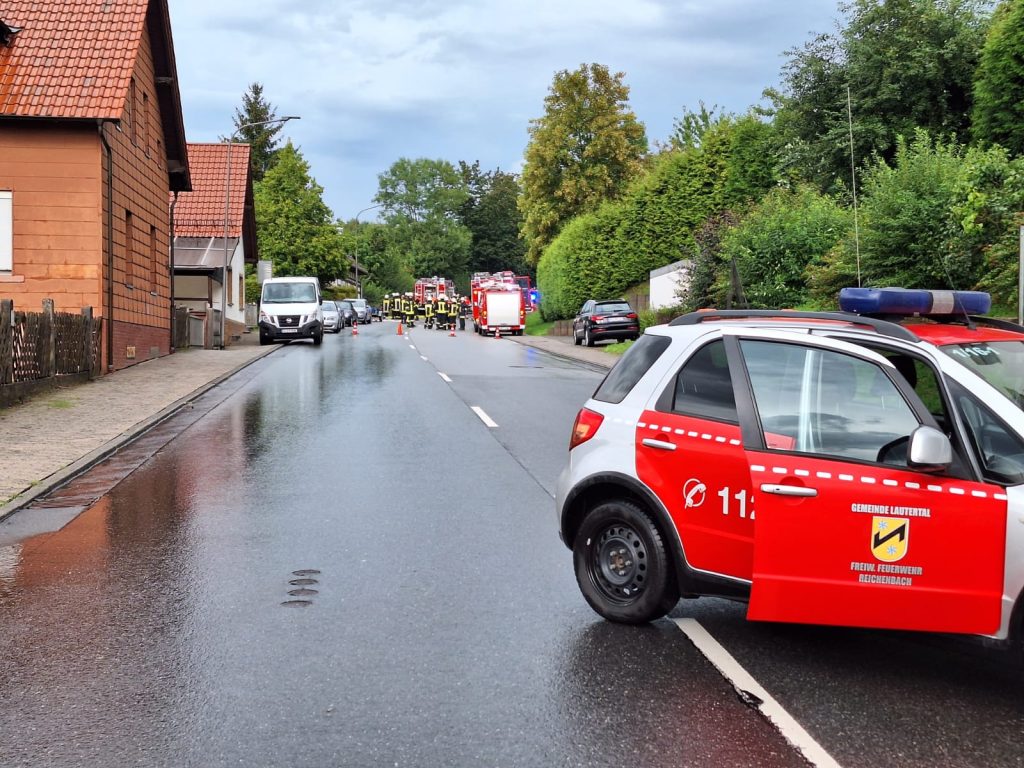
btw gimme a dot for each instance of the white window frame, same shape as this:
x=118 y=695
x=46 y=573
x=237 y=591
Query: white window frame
x=6 y=230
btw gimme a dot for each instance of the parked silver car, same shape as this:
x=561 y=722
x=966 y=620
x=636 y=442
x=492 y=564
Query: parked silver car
x=362 y=310
x=332 y=316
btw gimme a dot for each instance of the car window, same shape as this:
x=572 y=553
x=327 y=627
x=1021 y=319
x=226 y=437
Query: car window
x=703 y=387
x=631 y=367
x=612 y=306
x=825 y=402
x=999 y=449
x=330 y=306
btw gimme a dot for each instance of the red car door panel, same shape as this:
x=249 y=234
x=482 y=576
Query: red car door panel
x=698 y=469
x=875 y=546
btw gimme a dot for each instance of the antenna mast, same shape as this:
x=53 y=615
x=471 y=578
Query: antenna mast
x=853 y=180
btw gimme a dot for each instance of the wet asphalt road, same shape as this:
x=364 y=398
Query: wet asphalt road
x=331 y=560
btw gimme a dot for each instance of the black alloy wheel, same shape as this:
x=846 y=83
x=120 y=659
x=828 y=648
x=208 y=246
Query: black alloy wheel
x=622 y=565
x=587 y=338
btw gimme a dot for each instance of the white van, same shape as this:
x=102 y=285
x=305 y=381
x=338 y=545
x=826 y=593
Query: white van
x=290 y=308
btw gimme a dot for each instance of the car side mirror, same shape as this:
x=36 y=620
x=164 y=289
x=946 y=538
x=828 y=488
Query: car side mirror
x=929 y=450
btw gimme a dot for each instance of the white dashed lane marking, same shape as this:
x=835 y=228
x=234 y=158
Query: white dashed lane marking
x=484 y=417
x=751 y=690
x=444 y=376
x=423 y=358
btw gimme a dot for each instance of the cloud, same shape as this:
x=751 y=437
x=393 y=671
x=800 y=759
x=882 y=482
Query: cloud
x=375 y=80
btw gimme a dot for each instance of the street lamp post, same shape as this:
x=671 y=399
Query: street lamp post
x=359 y=280
x=227 y=211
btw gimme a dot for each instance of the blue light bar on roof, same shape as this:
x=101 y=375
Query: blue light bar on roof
x=908 y=301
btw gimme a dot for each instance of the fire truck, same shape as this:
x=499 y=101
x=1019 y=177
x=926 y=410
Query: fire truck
x=498 y=304
x=428 y=288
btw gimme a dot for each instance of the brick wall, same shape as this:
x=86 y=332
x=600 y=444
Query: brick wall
x=138 y=343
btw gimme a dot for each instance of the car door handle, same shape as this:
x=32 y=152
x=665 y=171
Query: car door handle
x=650 y=443
x=789 y=490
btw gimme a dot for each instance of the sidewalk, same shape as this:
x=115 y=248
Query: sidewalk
x=55 y=436
x=562 y=346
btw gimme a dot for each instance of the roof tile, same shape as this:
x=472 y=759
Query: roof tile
x=200 y=213
x=71 y=59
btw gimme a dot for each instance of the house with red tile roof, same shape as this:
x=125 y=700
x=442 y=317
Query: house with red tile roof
x=210 y=252
x=93 y=142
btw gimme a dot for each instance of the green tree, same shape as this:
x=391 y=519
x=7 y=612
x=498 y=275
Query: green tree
x=908 y=64
x=999 y=83
x=777 y=242
x=585 y=150
x=421 y=200
x=491 y=214
x=294 y=227
x=262 y=139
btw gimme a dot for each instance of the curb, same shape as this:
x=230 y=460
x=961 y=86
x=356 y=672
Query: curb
x=94 y=457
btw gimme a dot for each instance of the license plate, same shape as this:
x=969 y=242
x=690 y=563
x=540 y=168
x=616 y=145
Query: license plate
x=289 y=330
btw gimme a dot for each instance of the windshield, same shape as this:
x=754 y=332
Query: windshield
x=358 y=303
x=1000 y=363
x=288 y=293
x=329 y=306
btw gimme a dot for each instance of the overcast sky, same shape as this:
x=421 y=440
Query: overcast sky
x=376 y=80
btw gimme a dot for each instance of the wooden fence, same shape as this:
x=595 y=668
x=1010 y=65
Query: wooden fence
x=40 y=349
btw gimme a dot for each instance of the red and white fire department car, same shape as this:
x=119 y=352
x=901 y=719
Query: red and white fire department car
x=829 y=468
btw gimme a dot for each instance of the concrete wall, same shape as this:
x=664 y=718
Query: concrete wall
x=667 y=281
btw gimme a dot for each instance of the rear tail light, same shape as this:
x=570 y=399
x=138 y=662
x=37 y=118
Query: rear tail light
x=585 y=427
x=632 y=315
x=597 y=318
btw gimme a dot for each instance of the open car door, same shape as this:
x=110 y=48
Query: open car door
x=847 y=532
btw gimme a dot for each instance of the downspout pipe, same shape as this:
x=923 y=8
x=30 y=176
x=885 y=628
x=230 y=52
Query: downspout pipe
x=108 y=310
x=174 y=202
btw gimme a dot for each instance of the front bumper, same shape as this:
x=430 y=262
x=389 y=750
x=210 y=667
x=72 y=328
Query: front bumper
x=307 y=331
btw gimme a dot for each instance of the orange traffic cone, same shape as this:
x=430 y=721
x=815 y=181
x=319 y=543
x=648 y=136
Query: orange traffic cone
x=355 y=329
x=497 y=333
x=400 y=331
x=452 y=331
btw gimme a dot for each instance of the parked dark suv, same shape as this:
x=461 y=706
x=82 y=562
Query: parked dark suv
x=599 y=320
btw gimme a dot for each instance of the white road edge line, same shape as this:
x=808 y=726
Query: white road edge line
x=422 y=357
x=484 y=417
x=444 y=376
x=744 y=683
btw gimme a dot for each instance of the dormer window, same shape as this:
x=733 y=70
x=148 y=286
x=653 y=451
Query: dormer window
x=7 y=33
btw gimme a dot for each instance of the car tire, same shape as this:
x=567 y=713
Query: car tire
x=264 y=339
x=622 y=564
x=576 y=338
x=318 y=338
x=587 y=339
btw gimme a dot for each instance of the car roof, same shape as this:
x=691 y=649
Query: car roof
x=968 y=330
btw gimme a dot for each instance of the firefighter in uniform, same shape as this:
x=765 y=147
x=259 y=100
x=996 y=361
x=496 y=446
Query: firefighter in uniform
x=442 y=312
x=428 y=310
x=386 y=306
x=407 y=310
x=421 y=313
x=463 y=311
